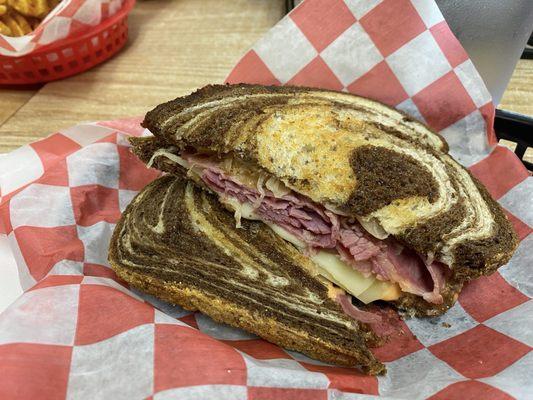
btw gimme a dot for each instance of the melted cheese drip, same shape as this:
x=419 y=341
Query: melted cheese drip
x=331 y=267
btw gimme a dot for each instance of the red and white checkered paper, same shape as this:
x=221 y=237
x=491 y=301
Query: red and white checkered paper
x=79 y=332
x=69 y=18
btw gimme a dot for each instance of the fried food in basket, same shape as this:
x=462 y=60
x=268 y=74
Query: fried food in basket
x=17 y=23
x=34 y=23
x=20 y=17
x=3 y=7
x=31 y=8
x=4 y=29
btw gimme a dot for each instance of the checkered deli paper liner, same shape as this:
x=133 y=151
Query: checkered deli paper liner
x=79 y=332
x=69 y=18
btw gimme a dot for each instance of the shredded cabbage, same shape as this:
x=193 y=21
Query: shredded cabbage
x=260 y=189
x=373 y=227
x=168 y=154
x=277 y=187
x=237 y=216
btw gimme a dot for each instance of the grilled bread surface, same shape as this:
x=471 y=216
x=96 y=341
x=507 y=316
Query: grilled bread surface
x=351 y=154
x=178 y=243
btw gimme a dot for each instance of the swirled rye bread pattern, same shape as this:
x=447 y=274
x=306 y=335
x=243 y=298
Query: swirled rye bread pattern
x=178 y=243
x=367 y=195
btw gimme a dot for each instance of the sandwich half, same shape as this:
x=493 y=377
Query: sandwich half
x=179 y=243
x=370 y=196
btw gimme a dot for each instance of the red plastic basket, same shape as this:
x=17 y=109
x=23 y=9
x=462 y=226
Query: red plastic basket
x=71 y=56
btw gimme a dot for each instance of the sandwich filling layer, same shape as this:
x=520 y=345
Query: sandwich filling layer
x=356 y=255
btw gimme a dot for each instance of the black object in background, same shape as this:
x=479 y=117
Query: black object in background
x=516 y=128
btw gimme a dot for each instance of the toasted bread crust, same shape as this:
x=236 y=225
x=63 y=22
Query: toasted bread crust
x=484 y=256
x=384 y=176
x=229 y=313
x=243 y=130
x=426 y=200
x=154 y=118
x=178 y=243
